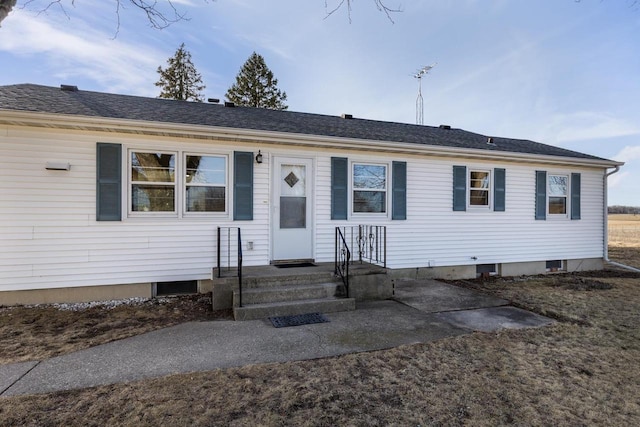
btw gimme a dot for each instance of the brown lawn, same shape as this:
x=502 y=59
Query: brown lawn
x=581 y=371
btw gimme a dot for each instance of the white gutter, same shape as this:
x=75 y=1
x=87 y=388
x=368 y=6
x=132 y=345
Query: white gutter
x=606 y=224
x=249 y=136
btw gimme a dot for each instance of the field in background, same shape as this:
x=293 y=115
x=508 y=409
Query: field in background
x=624 y=239
x=624 y=230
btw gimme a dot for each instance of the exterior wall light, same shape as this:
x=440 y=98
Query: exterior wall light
x=259 y=157
x=57 y=166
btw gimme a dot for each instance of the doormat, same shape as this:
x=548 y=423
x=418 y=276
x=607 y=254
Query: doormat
x=295 y=264
x=298 y=320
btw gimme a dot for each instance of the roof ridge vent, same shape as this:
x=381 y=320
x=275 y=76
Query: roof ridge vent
x=229 y=104
x=69 y=88
x=445 y=127
x=213 y=100
x=347 y=116
x=490 y=141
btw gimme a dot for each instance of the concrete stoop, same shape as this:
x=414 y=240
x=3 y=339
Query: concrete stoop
x=268 y=291
x=289 y=295
x=286 y=308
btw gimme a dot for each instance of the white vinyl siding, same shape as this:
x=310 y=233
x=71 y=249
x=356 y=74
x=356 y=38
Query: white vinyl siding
x=49 y=236
x=432 y=232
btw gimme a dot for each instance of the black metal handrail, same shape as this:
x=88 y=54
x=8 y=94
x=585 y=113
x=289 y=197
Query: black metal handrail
x=342 y=260
x=229 y=251
x=371 y=241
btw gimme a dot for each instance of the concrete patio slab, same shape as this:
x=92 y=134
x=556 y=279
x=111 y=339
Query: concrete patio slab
x=494 y=319
x=431 y=296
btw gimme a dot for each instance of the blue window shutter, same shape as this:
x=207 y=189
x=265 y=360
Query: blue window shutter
x=575 y=196
x=339 y=187
x=459 y=188
x=499 y=189
x=399 y=190
x=108 y=182
x=541 y=195
x=242 y=186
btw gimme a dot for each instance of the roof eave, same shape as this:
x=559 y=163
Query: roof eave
x=64 y=121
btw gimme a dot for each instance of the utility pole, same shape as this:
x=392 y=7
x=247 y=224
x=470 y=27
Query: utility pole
x=419 y=101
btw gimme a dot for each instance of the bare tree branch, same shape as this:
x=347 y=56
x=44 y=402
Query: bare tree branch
x=155 y=16
x=160 y=13
x=380 y=5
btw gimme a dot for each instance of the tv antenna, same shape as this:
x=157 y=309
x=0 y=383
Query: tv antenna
x=419 y=101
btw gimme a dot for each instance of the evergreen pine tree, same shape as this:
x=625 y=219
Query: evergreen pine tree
x=255 y=86
x=180 y=80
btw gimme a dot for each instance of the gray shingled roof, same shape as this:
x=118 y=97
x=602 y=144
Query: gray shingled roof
x=45 y=99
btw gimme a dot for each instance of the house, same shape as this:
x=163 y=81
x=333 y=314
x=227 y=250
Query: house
x=109 y=196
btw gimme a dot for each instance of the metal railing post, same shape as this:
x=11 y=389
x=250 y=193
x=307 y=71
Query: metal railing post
x=218 y=255
x=239 y=268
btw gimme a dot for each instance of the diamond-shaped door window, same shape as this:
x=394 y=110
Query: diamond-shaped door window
x=291 y=179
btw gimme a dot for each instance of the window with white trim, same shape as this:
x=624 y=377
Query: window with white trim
x=153 y=181
x=205 y=179
x=177 y=183
x=557 y=193
x=479 y=187
x=369 y=188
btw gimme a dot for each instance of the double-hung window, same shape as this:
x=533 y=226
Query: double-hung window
x=479 y=187
x=153 y=182
x=558 y=188
x=205 y=179
x=369 y=185
x=177 y=183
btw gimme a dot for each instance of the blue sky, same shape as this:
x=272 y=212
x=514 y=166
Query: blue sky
x=561 y=72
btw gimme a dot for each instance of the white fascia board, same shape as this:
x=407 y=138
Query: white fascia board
x=280 y=138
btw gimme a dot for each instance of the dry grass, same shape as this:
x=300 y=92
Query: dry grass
x=580 y=371
x=624 y=239
x=577 y=372
x=36 y=333
x=624 y=230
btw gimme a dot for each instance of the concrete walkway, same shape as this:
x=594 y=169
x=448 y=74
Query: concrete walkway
x=423 y=311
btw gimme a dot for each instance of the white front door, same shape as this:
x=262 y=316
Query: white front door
x=292 y=209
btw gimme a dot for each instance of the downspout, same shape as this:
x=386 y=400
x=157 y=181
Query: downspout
x=606 y=224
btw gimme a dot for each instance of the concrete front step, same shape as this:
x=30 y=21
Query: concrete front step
x=285 y=293
x=287 y=280
x=287 y=308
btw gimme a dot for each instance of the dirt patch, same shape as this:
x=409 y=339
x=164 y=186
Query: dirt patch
x=582 y=284
x=628 y=255
x=39 y=332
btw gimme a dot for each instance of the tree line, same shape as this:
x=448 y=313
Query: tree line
x=617 y=209
x=255 y=84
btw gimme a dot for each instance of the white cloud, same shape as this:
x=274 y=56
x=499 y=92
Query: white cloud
x=628 y=154
x=79 y=51
x=587 y=125
x=618 y=179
